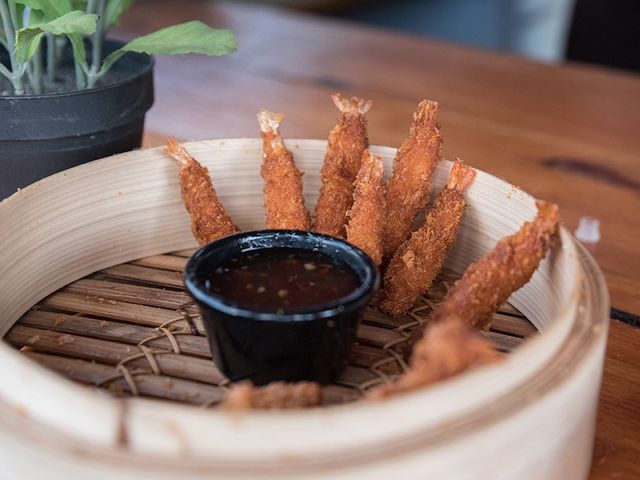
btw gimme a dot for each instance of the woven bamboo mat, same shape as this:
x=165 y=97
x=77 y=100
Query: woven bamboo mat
x=133 y=330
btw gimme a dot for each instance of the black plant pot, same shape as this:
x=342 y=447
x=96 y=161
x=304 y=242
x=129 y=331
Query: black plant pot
x=44 y=134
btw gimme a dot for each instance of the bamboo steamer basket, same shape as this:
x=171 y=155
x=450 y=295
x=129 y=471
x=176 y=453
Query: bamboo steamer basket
x=532 y=416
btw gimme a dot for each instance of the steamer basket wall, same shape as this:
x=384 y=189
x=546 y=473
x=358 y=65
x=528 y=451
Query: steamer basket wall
x=531 y=417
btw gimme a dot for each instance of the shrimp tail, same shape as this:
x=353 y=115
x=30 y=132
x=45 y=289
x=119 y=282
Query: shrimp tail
x=427 y=111
x=269 y=121
x=175 y=150
x=547 y=218
x=461 y=176
x=353 y=105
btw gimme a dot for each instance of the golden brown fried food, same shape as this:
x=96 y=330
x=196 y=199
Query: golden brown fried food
x=276 y=395
x=283 y=199
x=419 y=259
x=347 y=142
x=209 y=220
x=489 y=282
x=409 y=187
x=367 y=216
x=446 y=349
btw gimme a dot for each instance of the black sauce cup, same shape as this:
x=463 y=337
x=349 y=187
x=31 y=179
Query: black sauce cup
x=300 y=344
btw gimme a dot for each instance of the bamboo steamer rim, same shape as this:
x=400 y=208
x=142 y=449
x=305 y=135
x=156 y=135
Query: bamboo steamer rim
x=532 y=366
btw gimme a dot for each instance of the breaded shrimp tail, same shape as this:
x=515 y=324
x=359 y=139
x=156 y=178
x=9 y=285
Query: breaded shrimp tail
x=488 y=283
x=209 y=220
x=367 y=216
x=447 y=349
x=347 y=142
x=277 y=395
x=419 y=259
x=409 y=187
x=283 y=199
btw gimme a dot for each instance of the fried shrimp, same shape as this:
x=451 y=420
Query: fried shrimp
x=409 y=187
x=283 y=200
x=276 y=395
x=419 y=259
x=366 y=217
x=446 y=349
x=489 y=282
x=209 y=220
x=347 y=142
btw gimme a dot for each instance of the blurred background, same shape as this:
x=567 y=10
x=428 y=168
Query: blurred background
x=604 y=32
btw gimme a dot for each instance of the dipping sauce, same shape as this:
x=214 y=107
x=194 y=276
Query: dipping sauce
x=281 y=279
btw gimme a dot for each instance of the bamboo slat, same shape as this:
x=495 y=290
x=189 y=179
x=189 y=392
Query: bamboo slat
x=114 y=353
x=129 y=292
x=128 y=333
x=116 y=310
x=163 y=262
x=145 y=274
x=144 y=383
x=184 y=253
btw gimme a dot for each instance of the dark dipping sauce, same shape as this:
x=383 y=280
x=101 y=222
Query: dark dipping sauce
x=282 y=279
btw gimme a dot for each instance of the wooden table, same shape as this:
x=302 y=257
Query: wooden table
x=568 y=134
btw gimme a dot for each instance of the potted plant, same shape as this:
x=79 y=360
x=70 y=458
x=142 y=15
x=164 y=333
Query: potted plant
x=67 y=94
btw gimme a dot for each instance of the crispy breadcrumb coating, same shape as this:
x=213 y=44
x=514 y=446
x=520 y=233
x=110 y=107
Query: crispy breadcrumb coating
x=488 y=283
x=367 y=216
x=347 y=142
x=419 y=259
x=209 y=220
x=409 y=187
x=276 y=395
x=283 y=199
x=446 y=349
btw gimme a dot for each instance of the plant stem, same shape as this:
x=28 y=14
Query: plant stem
x=14 y=14
x=96 y=57
x=51 y=59
x=28 y=67
x=4 y=71
x=60 y=43
x=91 y=6
x=81 y=83
x=36 y=79
x=16 y=78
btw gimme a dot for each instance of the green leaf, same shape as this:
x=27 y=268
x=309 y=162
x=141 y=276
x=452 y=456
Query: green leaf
x=114 y=10
x=37 y=17
x=75 y=22
x=27 y=44
x=190 y=37
x=51 y=8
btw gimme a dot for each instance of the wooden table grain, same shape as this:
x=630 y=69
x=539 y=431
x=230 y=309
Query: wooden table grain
x=568 y=134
